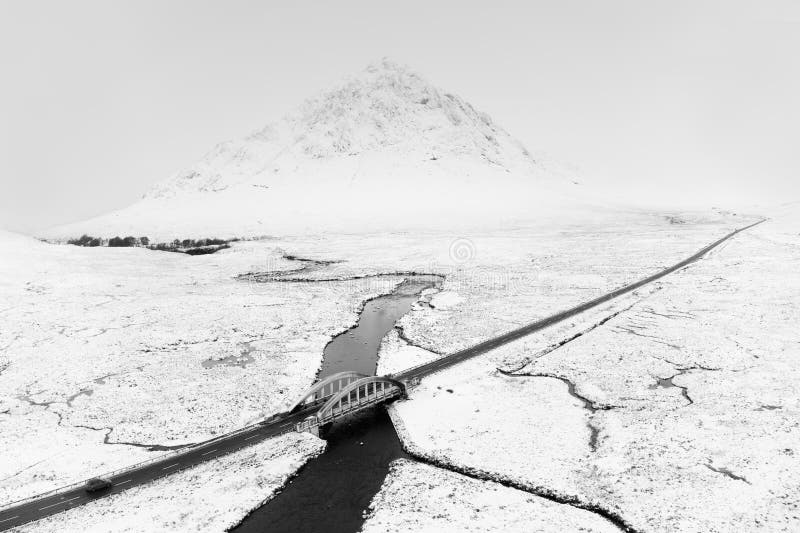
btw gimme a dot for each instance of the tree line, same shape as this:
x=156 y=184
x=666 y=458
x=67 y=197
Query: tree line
x=190 y=246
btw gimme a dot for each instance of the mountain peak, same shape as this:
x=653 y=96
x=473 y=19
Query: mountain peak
x=388 y=105
x=387 y=65
x=386 y=111
x=382 y=150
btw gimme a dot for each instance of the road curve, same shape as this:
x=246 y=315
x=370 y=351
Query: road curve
x=52 y=503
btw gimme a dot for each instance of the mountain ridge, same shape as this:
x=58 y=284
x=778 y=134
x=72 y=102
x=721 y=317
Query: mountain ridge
x=383 y=150
x=387 y=107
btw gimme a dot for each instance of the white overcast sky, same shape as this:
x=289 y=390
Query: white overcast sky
x=664 y=102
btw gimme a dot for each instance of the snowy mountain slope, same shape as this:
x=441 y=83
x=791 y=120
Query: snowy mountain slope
x=384 y=150
x=387 y=109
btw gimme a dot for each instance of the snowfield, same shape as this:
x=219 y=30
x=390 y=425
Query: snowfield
x=108 y=352
x=210 y=497
x=418 y=497
x=672 y=409
x=105 y=352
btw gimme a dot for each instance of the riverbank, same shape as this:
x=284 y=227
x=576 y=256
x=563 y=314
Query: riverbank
x=673 y=409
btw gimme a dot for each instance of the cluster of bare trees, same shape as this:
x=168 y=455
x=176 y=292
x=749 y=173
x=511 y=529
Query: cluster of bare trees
x=190 y=246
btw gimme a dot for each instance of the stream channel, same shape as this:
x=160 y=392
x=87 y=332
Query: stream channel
x=331 y=492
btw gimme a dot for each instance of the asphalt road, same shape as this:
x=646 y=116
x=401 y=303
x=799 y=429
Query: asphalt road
x=55 y=503
x=457 y=357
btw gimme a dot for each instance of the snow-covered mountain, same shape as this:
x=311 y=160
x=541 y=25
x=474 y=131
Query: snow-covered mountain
x=383 y=150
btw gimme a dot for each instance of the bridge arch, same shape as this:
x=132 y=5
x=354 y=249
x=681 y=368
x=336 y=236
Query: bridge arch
x=367 y=390
x=326 y=388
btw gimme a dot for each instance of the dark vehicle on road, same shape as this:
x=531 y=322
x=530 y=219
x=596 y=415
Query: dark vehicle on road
x=271 y=419
x=96 y=484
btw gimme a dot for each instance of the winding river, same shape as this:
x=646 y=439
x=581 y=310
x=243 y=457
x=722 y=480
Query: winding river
x=331 y=492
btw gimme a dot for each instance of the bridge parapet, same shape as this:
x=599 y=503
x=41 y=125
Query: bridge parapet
x=364 y=392
x=324 y=389
x=344 y=393
x=309 y=425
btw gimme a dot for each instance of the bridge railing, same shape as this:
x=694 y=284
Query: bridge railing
x=368 y=399
x=306 y=424
x=333 y=383
x=347 y=404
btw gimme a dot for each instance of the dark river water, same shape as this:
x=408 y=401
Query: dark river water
x=357 y=348
x=332 y=492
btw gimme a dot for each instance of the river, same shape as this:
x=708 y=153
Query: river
x=330 y=494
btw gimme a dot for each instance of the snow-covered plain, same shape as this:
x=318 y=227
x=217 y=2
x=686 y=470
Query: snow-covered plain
x=418 y=497
x=210 y=497
x=107 y=351
x=156 y=348
x=674 y=409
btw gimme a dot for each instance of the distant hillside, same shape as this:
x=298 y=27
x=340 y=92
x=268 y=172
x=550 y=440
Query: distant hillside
x=383 y=150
